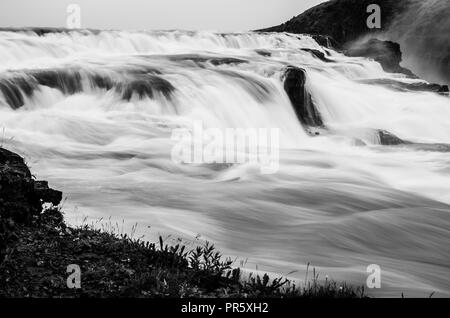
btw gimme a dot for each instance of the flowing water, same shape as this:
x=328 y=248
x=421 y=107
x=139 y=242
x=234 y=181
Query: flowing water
x=93 y=112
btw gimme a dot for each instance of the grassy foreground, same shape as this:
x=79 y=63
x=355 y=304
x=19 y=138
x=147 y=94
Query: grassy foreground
x=36 y=257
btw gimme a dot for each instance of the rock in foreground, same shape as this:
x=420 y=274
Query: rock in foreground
x=21 y=197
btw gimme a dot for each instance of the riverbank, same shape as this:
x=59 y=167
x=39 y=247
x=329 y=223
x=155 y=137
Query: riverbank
x=37 y=246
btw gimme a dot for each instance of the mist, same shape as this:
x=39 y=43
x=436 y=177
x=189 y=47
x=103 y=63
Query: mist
x=422 y=32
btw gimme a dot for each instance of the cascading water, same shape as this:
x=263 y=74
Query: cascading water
x=93 y=113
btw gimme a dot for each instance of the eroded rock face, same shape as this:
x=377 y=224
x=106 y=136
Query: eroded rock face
x=144 y=83
x=387 y=53
x=21 y=196
x=294 y=85
x=343 y=20
x=406 y=87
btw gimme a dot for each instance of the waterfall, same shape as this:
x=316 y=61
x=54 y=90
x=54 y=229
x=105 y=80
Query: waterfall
x=363 y=153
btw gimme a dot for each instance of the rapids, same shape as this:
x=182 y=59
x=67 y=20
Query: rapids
x=93 y=112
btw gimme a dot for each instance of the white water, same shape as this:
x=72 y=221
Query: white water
x=334 y=203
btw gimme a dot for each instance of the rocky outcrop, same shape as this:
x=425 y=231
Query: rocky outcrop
x=419 y=26
x=342 y=20
x=294 y=85
x=318 y=54
x=387 y=53
x=140 y=82
x=21 y=197
x=389 y=139
x=405 y=87
x=13 y=91
x=325 y=41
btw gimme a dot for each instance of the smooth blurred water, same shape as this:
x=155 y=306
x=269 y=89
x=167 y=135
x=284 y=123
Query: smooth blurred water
x=340 y=201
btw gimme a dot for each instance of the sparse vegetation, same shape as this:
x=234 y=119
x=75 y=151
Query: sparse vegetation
x=35 y=258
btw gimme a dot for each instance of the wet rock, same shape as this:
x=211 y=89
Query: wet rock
x=359 y=143
x=264 y=53
x=294 y=85
x=68 y=81
x=139 y=82
x=201 y=60
x=102 y=82
x=12 y=91
x=259 y=89
x=405 y=87
x=443 y=90
x=10 y=161
x=318 y=54
x=21 y=196
x=325 y=41
x=226 y=61
x=389 y=139
x=431 y=147
x=387 y=53
x=146 y=86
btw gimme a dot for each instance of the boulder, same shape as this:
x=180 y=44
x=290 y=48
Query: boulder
x=388 y=139
x=325 y=41
x=294 y=85
x=318 y=54
x=387 y=53
x=21 y=196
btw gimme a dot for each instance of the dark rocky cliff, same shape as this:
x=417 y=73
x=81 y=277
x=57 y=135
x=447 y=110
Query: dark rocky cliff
x=21 y=197
x=343 y=20
x=387 y=53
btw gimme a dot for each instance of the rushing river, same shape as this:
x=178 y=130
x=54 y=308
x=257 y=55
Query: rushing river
x=95 y=114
